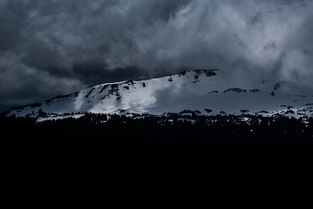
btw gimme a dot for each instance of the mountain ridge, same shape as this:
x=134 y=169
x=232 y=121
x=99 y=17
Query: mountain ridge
x=197 y=89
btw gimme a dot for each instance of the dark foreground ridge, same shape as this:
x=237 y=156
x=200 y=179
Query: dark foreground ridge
x=166 y=129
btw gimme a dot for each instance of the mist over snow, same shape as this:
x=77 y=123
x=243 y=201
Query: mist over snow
x=202 y=91
x=53 y=47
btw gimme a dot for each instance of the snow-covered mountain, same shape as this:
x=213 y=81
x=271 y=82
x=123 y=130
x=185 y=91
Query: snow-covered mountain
x=208 y=91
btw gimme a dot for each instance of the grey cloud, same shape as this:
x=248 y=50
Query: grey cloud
x=50 y=47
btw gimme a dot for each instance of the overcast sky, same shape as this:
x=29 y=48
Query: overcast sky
x=53 y=47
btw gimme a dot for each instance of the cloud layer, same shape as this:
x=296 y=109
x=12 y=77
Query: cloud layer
x=51 y=47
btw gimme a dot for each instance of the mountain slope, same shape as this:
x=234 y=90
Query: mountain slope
x=205 y=90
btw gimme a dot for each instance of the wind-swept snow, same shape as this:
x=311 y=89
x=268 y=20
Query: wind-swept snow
x=191 y=90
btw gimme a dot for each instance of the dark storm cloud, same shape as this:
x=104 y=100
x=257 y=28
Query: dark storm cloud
x=50 y=47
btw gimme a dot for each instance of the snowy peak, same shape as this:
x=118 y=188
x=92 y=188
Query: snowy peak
x=200 y=90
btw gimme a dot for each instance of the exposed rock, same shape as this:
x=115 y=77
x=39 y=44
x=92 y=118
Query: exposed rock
x=214 y=92
x=88 y=94
x=237 y=90
x=254 y=91
x=103 y=88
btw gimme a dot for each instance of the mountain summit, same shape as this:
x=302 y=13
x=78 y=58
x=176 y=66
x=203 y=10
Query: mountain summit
x=207 y=91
